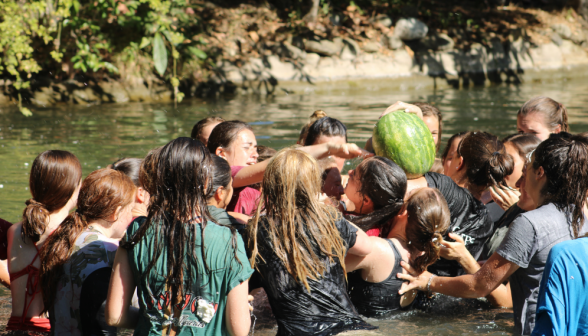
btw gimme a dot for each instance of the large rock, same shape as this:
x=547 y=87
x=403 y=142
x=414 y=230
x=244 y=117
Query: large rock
x=578 y=37
x=410 y=29
x=323 y=47
x=113 y=92
x=382 y=19
x=394 y=42
x=371 y=47
x=556 y=38
x=46 y=96
x=437 y=41
x=350 y=49
x=85 y=96
x=563 y=30
x=294 y=52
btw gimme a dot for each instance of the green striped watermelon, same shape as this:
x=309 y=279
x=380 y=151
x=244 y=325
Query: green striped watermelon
x=405 y=139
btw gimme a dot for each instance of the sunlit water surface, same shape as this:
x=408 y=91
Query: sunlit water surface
x=99 y=135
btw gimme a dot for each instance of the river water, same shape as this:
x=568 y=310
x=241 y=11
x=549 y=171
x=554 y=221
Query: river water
x=100 y=134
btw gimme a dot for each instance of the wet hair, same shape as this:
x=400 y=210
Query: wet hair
x=453 y=138
x=524 y=143
x=221 y=174
x=299 y=228
x=102 y=192
x=197 y=129
x=180 y=181
x=225 y=133
x=148 y=169
x=554 y=113
x=265 y=153
x=564 y=158
x=54 y=177
x=384 y=182
x=428 y=219
x=485 y=159
x=431 y=111
x=313 y=117
x=129 y=167
x=326 y=126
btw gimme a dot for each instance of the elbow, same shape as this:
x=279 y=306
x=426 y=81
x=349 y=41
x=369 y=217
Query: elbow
x=111 y=319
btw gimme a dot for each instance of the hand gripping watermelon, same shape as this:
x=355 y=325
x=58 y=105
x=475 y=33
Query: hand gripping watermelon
x=405 y=139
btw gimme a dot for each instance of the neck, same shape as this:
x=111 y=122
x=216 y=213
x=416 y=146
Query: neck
x=103 y=226
x=55 y=219
x=398 y=231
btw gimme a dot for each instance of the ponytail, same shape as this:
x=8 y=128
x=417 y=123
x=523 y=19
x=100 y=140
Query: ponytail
x=56 y=252
x=428 y=219
x=564 y=158
x=102 y=192
x=34 y=220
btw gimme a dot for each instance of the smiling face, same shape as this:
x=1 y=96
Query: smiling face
x=534 y=123
x=242 y=151
x=332 y=186
x=433 y=124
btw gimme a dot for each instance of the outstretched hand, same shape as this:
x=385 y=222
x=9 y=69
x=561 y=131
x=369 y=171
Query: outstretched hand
x=348 y=151
x=453 y=250
x=415 y=280
x=408 y=108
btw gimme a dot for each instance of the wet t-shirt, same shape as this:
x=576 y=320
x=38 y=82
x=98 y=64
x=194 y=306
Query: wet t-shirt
x=527 y=244
x=469 y=219
x=244 y=199
x=500 y=229
x=326 y=309
x=205 y=298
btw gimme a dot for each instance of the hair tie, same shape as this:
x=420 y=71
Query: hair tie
x=496 y=153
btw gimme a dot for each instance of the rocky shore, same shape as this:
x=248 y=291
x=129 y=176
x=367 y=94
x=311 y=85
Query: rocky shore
x=404 y=51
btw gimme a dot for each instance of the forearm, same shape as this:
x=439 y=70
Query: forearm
x=129 y=319
x=468 y=263
x=250 y=175
x=317 y=151
x=500 y=297
x=465 y=286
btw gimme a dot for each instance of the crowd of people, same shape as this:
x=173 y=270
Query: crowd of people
x=180 y=241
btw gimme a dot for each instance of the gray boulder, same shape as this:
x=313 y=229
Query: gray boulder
x=563 y=30
x=323 y=47
x=371 y=47
x=556 y=38
x=410 y=29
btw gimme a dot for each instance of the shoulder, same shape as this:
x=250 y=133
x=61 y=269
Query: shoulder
x=15 y=229
x=215 y=232
x=578 y=247
x=548 y=212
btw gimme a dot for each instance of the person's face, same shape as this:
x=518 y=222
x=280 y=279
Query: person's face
x=243 y=150
x=525 y=201
x=206 y=132
x=433 y=124
x=534 y=123
x=333 y=139
x=332 y=186
x=352 y=192
x=451 y=162
x=511 y=180
x=226 y=195
x=533 y=182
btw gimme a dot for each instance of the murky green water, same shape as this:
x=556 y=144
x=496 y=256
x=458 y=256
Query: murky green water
x=99 y=135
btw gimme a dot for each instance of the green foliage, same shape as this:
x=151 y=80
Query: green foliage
x=80 y=36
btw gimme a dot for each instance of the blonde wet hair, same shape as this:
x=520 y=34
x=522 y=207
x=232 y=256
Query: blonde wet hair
x=296 y=222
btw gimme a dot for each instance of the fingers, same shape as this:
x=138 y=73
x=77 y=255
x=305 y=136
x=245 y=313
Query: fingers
x=250 y=299
x=458 y=238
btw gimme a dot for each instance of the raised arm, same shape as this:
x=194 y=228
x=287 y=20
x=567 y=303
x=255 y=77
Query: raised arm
x=254 y=174
x=119 y=312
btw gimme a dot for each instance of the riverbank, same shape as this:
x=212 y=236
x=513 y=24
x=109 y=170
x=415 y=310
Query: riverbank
x=252 y=50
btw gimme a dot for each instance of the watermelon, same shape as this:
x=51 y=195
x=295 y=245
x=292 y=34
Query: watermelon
x=405 y=139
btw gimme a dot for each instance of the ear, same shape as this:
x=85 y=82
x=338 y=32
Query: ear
x=221 y=152
x=142 y=195
x=557 y=129
x=539 y=173
x=219 y=194
x=367 y=202
x=459 y=163
x=114 y=217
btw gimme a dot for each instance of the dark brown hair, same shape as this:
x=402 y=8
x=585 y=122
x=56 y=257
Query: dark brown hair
x=523 y=143
x=564 y=158
x=384 y=182
x=225 y=133
x=221 y=174
x=265 y=153
x=180 y=176
x=148 y=169
x=55 y=175
x=197 y=129
x=102 y=192
x=554 y=113
x=431 y=111
x=428 y=219
x=316 y=115
x=326 y=126
x=485 y=158
x=129 y=167
x=453 y=138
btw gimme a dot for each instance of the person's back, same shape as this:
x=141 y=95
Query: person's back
x=563 y=304
x=206 y=293
x=54 y=181
x=298 y=248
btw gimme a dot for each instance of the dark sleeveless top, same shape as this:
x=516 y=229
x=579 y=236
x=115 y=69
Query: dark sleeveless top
x=377 y=299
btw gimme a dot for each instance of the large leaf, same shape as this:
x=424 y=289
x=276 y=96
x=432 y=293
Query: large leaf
x=159 y=54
